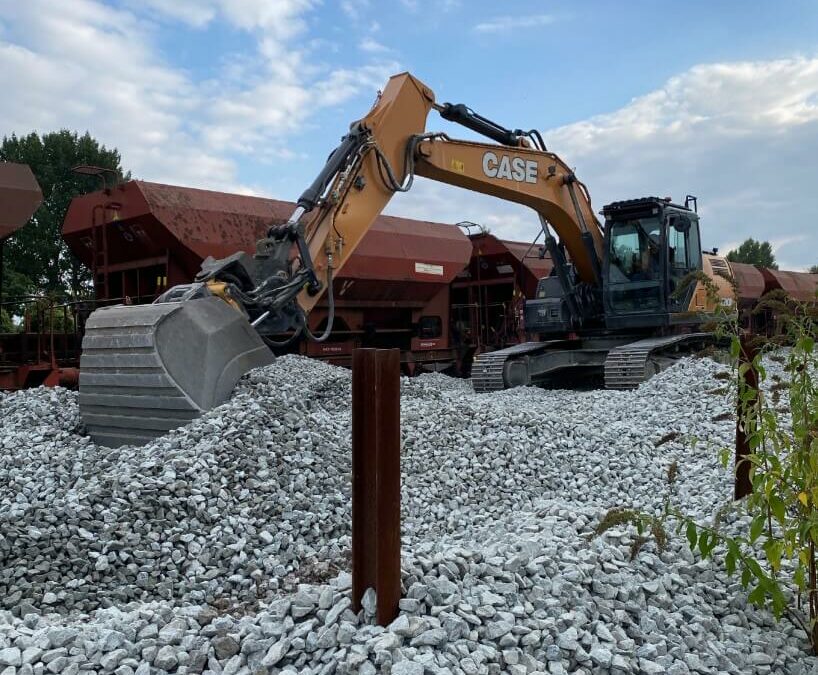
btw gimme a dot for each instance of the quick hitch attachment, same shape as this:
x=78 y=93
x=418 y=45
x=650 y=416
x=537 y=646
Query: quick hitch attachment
x=293 y=231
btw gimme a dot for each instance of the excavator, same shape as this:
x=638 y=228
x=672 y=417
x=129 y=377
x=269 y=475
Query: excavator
x=623 y=299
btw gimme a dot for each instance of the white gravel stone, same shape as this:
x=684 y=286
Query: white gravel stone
x=166 y=658
x=276 y=653
x=407 y=668
x=10 y=656
x=223 y=548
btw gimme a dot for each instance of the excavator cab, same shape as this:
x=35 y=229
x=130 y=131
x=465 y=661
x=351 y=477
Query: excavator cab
x=651 y=246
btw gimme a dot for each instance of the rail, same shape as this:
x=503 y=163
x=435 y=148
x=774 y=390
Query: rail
x=46 y=329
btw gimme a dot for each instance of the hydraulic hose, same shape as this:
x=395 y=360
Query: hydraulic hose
x=335 y=162
x=330 y=314
x=386 y=172
x=284 y=343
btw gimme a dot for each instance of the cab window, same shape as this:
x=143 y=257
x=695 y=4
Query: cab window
x=677 y=243
x=635 y=250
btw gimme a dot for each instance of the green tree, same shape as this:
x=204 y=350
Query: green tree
x=754 y=252
x=813 y=269
x=15 y=285
x=6 y=324
x=36 y=257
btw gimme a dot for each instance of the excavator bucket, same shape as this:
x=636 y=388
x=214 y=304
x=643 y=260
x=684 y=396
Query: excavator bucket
x=147 y=369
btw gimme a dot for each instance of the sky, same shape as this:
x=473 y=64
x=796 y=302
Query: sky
x=644 y=97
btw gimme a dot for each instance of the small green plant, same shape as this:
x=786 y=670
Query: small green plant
x=644 y=523
x=776 y=557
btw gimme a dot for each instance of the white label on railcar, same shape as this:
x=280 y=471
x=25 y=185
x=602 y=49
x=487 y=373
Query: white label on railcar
x=427 y=268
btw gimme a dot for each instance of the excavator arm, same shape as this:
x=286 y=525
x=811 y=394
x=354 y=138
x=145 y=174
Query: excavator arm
x=380 y=156
x=524 y=175
x=346 y=198
x=147 y=369
x=336 y=210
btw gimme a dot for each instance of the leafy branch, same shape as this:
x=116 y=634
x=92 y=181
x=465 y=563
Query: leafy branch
x=775 y=558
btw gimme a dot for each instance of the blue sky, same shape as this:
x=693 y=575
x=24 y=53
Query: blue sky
x=719 y=99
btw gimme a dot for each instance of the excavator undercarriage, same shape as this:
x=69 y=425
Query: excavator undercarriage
x=622 y=362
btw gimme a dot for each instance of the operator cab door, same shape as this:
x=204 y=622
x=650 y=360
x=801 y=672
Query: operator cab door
x=684 y=258
x=636 y=285
x=650 y=252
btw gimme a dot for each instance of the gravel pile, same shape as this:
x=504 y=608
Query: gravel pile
x=223 y=547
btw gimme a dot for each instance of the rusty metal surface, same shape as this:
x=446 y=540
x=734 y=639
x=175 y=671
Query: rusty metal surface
x=38 y=374
x=203 y=219
x=147 y=220
x=749 y=280
x=364 y=454
x=798 y=285
x=752 y=282
x=410 y=250
x=743 y=485
x=400 y=259
x=529 y=256
x=20 y=196
x=376 y=479
x=407 y=259
x=495 y=254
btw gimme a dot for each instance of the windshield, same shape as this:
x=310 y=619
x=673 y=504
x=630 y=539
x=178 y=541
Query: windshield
x=634 y=253
x=635 y=269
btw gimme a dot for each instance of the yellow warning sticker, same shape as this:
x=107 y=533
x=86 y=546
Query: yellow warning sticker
x=458 y=166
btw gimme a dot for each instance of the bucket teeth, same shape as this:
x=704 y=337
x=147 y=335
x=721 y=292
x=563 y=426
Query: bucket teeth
x=147 y=369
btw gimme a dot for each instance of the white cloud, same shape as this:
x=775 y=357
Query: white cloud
x=75 y=66
x=86 y=65
x=742 y=136
x=371 y=45
x=345 y=83
x=430 y=6
x=279 y=19
x=360 y=14
x=505 y=24
x=354 y=9
x=732 y=100
x=196 y=13
x=283 y=18
x=779 y=243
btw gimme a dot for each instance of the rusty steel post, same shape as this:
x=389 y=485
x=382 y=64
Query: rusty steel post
x=748 y=381
x=2 y=269
x=376 y=479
